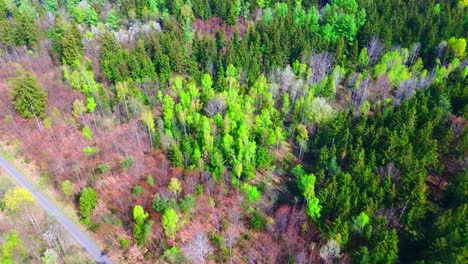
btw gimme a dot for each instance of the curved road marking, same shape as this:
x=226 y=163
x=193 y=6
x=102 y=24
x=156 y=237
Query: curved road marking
x=80 y=237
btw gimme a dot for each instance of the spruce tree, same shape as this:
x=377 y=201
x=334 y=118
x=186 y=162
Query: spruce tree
x=28 y=97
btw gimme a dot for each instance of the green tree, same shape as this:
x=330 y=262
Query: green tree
x=88 y=200
x=90 y=104
x=87 y=133
x=457 y=47
x=251 y=192
x=176 y=157
x=90 y=16
x=67 y=188
x=360 y=221
x=142 y=227
x=113 y=19
x=314 y=208
x=28 y=97
x=26 y=31
x=174 y=186
x=8 y=247
x=72 y=45
x=170 y=223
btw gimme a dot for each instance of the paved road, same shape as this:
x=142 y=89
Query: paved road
x=81 y=238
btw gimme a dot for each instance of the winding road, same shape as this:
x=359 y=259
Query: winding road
x=80 y=237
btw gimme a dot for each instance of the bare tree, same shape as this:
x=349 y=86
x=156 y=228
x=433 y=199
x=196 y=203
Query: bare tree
x=441 y=49
x=414 y=53
x=330 y=251
x=199 y=248
x=281 y=218
x=389 y=171
x=301 y=258
x=321 y=64
x=215 y=106
x=374 y=50
x=287 y=79
x=230 y=239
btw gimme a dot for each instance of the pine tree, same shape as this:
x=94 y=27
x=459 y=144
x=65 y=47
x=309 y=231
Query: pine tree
x=72 y=44
x=28 y=97
x=88 y=200
x=26 y=31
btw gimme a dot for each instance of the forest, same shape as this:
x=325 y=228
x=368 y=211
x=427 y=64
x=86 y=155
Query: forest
x=242 y=131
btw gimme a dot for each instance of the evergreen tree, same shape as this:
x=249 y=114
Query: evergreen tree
x=27 y=96
x=72 y=44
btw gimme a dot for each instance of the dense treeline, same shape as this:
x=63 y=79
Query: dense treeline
x=350 y=113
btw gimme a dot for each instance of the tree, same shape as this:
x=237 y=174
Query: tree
x=170 y=223
x=17 y=198
x=90 y=104
x=313 y=208
x=67 y=188
x=360 y=221
x=302 y=139
x=88 y=200
x=457 y=47
x=50 y=256
x=7 y=248
x=148 y=119
x=175 y=186
x=28 y=97
x=328 y=90
x=251 y=192
x=87 y=132
x=330 y=251
x=72 y=46
x=199 y=248
x=142 y=227
x=176 y=157
x=26 y=31
x=113 y=20
x=78 y=109
x=320 y=111
x=90 y=16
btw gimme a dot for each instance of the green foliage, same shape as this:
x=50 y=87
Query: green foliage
x=313 y=208
x=175 y=156
x=187 y=203
x=71 y=46
x=360 y=221
x=126 y=163
x=113 y=20
x=123 y=242
x=170 y=223
x=87 y=132
x=67 y=188
x=251 y=193
x=88 y=200
x=175 y=186
x=137 y=190
x=91 y=151
x=150 y=181
x=27 y=96
x=159 y=204
x=103 y=167
x=90 y=104
x=8 y=247
x=90 y=16
x=258 y=222
x=457 y=47
x=173 y=255
x=142 y=227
